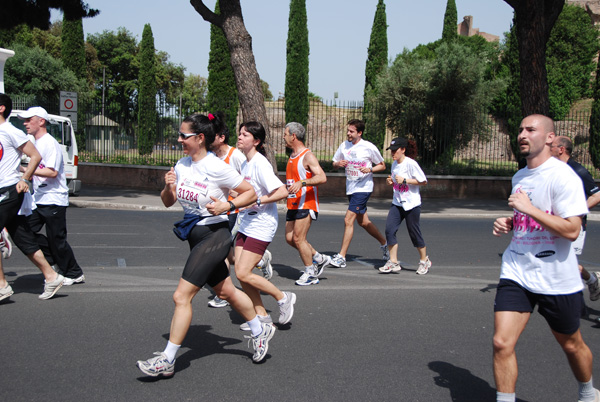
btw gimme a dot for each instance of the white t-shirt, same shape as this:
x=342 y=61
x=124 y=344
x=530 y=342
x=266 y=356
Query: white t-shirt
x=11 y=138
x=50 y=190
x=198 y=181
x=260 y=222
x=361 y=154
x=536 y=259
x=236 y=159
x=407 y=196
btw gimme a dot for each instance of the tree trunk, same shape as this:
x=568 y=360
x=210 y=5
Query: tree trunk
x=247 y=79
x=534 y=22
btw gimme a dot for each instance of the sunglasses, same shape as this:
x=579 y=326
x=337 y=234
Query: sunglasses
x=185 y=136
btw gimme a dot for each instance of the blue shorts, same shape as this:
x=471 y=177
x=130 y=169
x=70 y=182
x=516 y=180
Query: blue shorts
x=562 y=312
x=358 y=202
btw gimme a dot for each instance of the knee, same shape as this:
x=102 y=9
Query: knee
x=181 y=299
x=503 y=346
x=290 y=240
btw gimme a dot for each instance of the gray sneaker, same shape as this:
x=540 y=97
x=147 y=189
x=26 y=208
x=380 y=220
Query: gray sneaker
x=50 y=288
x=319 y=266
x=157 y=366
x=217 y=302
x=5 y=244
x=594 y=288
x=263 y=319
x=6 y=292
x=266 y=268
x=286 y=310
x=338 y=261
x=261 y=342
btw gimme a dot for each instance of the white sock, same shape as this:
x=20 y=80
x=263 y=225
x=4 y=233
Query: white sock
x=586 y=391
x=283 y=300
x=318 y=257
x=255 y=326
x=504 y=397
x=310 y=269
x=171 y=351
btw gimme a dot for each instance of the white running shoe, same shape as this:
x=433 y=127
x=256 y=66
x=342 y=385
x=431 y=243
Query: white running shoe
x=286 y=310
x=307 y=279
x=5 y=244
x=386 y=252
x=338 y=261
x=424 y=267
x=266 y=268
x=72 y=281
x=320 y=266
x=261 y=342
x=390 y=267
x=594 y=288
x=6 y=292
x=263 y=319
x=50 y=288
x=157 y=366
x=217 y=302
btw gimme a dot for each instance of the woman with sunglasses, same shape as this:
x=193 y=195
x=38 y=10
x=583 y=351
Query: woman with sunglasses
x=258 y=224
x=200 y=182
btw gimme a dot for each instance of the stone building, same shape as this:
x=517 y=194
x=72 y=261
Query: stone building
x=466 y=28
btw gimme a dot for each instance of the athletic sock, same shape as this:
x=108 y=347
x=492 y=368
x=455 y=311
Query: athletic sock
x=504 y=397
x=310 y=269
x=255 y=326
x=318 y=257
x=283 y=300
x=586 y=391
x=171 y=351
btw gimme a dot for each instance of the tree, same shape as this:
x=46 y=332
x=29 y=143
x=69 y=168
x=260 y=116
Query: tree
x=73 y=45
x=534 y=22
x=147 y=116
x=266 y=91
x=595 y=123
x=449 y=32
x=194 y=94
x=222 y=92
x=169 y=79
x=247 y=79
x=296 y=71
x=37 y=13
x=377 y=59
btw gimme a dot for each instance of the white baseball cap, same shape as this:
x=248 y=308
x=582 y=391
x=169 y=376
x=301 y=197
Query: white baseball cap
x=34 y=111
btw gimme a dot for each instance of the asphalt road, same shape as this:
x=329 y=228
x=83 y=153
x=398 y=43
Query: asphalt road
x=357 y=336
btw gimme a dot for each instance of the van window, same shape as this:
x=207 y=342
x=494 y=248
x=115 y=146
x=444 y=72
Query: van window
x=57 y=130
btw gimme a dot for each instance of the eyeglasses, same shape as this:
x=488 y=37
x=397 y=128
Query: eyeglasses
x=185 y=136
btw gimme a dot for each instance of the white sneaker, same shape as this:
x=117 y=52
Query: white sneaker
x=50 y=288
x=6 y=292
x=320 y=266
x=263 y=319
x=5 y=244
x=266 y=268
x=594 y=288
x=72 y=281
x=390 y=267
x=261 y=342
x=338 y=261
x=424 y=267
x=307 y=279
x=286 y=310
x=217 y=302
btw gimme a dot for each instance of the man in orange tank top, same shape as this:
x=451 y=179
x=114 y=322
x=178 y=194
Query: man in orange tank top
x=303 y=173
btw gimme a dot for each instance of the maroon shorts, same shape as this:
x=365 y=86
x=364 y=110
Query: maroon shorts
x=251 y=244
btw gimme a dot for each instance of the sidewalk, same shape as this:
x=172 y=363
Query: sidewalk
x=122 y=198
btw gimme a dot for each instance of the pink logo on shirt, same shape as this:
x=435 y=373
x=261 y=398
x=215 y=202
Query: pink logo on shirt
x=525 y=223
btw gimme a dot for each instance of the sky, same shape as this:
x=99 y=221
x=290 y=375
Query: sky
x=338 y=31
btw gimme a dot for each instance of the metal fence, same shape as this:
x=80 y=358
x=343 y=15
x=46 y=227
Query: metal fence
x=485 y=151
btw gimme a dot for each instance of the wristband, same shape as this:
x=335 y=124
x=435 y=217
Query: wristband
x=258 y=201
x=232 y=206
x=404 y=181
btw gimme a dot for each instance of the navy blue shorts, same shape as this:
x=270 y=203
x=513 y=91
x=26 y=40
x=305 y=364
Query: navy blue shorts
x=358 y=202
x=561 y=312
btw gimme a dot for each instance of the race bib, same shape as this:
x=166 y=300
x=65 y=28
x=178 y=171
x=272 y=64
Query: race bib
x=189 y=191
x=353 y=172
x=288 y=183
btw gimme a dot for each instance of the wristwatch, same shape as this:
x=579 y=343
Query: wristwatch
x=258 y=201
x=303 y=183
x=404 y=181
x=232 y=206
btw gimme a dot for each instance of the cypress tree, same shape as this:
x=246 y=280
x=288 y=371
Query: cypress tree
x=377 y=58
x=222 y=91
x=296 y=72
x=147 y=115
x=595 y=123
x=449 y=32
x=73 y=46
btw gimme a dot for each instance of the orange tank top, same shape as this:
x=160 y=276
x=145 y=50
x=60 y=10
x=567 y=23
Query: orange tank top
x=307 y=197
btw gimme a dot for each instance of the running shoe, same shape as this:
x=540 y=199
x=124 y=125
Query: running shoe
x=307 y=279
x=261 y=342
x=157 y=366
x=386 y=252
x=286 y=310
x=266 y=268
x=320 y=266
x=263 y=319
x=390 y=267
x=338 y=261
x=594 y=288
x=596 y=396
x=424 y=267
x=217 y=302
x=72 y=281
x=5 y=244
x=50 y=288
x=6 y=292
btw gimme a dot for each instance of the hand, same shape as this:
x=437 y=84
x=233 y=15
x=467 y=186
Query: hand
x=294 y=188
x=342 y=163
x=217 y=207
x=502 y=226
x=366 y=170
x=22 y=187
x=171 y=177
x=389 y=180
x=521 y=202
x=399 y=179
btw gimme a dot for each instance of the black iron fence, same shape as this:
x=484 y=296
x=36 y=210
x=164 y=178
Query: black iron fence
x=448 y=142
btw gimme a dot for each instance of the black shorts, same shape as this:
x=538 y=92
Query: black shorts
x=297 y=214
x=15 y=224
x=209 y=245
x=562 y=312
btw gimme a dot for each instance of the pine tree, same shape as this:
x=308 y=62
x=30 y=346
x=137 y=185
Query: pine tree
x=147 y=115
x=296 y=72
x=595 y=123
x=222 y=91
x=377 y=58
x=449 y=32
x=73 y=46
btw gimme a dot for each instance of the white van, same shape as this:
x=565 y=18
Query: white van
x=60 y=128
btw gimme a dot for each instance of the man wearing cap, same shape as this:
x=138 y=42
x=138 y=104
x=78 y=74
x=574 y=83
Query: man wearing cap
x=360 y=159
x=51 y=195
x=13 y=188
